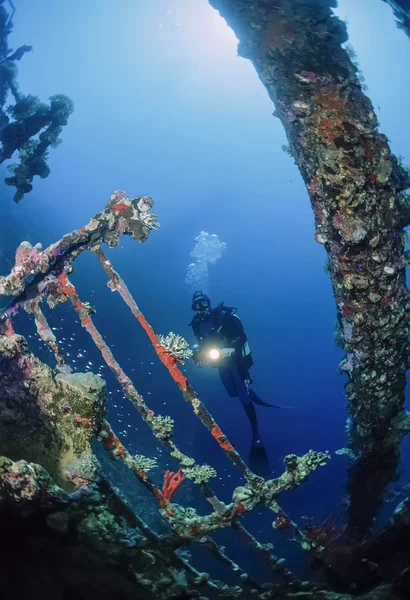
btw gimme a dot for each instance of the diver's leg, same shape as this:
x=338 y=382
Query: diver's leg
x=251 y=414
x=242 y=392
x=225 y=374
x=258 y=458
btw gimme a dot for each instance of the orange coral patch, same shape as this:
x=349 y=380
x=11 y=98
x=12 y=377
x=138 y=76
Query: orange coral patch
x=67 y=287
x=220 y=438
x=166 y=358
x=120 y=206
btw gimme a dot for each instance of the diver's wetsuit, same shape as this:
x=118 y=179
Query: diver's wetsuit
x=222 y=327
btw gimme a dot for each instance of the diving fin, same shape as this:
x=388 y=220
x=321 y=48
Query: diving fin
x=258 y=460
x=256 y=400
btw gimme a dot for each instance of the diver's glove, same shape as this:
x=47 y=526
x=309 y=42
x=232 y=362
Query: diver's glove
x=226 y=352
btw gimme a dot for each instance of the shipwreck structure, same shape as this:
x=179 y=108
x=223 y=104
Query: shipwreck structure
x=73 y=534
x=356 y=187
x=49 y=417
x=53 y=490
x=401 y=10
x=28 y=127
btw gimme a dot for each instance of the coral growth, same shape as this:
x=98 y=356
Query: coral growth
x=33 y=118
x=171 y=482
x=176 y=346
x=28 y=126
x=35 y=424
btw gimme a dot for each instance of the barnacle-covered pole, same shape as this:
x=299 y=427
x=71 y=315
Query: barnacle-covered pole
x=355 y=186
x=401 y=10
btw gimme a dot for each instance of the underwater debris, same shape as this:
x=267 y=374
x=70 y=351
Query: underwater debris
x=355 y=185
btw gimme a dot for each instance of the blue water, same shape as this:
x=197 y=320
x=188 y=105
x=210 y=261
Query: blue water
x=163 y=106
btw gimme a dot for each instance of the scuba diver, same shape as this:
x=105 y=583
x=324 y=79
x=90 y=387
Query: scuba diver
x=222 y=343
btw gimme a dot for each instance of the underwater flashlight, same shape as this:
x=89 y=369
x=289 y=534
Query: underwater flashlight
x=214 y=354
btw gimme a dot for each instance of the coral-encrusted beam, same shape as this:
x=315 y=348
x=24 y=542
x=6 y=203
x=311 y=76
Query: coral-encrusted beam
x=126 y=384
x=32 y=264
x=355 y=186
x=46 y=334
x=116 y=283
x=112 y=444
x=217 y=518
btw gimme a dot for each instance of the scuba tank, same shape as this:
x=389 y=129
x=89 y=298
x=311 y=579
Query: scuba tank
x=246 y=356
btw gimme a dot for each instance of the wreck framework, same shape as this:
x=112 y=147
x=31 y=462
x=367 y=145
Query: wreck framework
x=356 y=186
x=43 y=275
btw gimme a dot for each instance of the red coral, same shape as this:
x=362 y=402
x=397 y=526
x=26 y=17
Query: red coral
x=220 y=438
x=171 y=482
x=120 y=206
